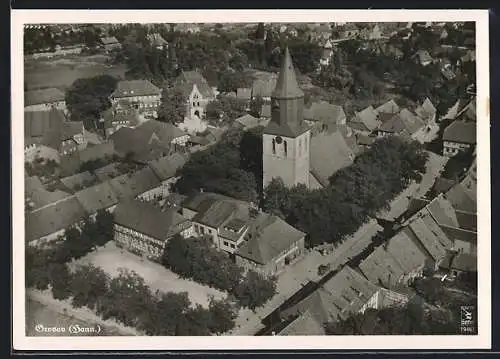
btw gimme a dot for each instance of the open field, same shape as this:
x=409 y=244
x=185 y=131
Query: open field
x=110 y=259
x=62 y=72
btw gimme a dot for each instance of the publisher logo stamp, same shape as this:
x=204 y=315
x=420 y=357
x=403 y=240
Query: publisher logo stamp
x=467 y=320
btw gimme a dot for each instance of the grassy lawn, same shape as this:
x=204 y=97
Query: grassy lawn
x=62 y=72
x=110 y=259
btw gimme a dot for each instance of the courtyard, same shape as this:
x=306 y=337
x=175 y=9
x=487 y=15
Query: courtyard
x=111 y=258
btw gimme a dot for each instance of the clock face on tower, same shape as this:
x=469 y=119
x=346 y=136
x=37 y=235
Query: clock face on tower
x=278 y=140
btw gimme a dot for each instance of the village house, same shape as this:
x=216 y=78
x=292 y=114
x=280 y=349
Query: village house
x=365 y=121
x=165 y=169
x=101 y=196
x=110 y=43
x=36 y=194
x=79 y=181
x=389 y=107
x=244 y=94
x=113 y=121
x=48 y=135
x=44 y=100
x=458 y=136
x=142 y=95
x=247 y=122
x=197 y=93
x=324 y=116
x=458 y=264
x=145 y=229
x=48 y=223
x=427 y=112
x=345 y=294
x=404 y=123
x=423 y=58
x=270 y=245
x=304 y=324
x=222 y=218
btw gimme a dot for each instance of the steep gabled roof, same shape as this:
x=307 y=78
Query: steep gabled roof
x=305 y=324
x=186 y=81
x=461 y=132
x=99 y=196
x=53 y=218
x=324 y=112
x=37 y=196
x=166 y=167
x=37 y=97
x=148 y=219
x=388 y=107
x=131 y=88
x=432 y=237
x=269 y=239
x=368 y=117
x=329 y=153
x=44 y=128
x=78 y=180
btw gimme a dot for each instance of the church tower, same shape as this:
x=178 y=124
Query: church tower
x=286 y=138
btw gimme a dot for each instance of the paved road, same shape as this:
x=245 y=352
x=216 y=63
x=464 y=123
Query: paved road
x=299 y=273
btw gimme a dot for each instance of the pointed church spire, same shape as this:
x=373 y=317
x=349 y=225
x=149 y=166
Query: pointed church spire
x=287 y=85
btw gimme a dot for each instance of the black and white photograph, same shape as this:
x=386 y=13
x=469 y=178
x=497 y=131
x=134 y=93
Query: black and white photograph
x=259 y=178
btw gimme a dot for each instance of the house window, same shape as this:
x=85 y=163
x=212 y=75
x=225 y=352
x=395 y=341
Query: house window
x=194 y=104
x=198 y=104
x=274 y=147
x=226 y=243
x=232 y=245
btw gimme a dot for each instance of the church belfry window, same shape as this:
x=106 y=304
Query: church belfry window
x=285 y=146
x=274 y=146
x=300 y=146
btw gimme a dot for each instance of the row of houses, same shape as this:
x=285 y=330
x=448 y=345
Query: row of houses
x=50 y=213
x=438 y=235
x=256 y=240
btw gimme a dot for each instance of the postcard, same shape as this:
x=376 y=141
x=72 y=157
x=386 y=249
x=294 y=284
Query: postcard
x=294 y=179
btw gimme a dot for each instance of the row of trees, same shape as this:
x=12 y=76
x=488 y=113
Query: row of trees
x=355 y=193
x=129 y=300
x=232 y=167
x=196 y=258
x=47 y=38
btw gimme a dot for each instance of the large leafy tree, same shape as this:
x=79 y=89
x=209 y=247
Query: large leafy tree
x=87 y=98
x=173 y=106
x=89 y=286
x=60 y=280
x=255 y=290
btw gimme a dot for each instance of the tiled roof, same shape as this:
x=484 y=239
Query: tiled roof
x=462 y=197
x=53 y=218
x=99 y=196
x=156 y=39
x=389 y=107
x=248 y=121
x=287 y=85
x=405 y=251
x=428 y=232
x=465 y=262
x=78 y=180
x=134 y=184
x=325 y=112
x=350 y=285
x=132 y=88
x=269 y=237
x=460 y=234
x=165 y=131
x=426 y=110
x=195 y=201
x=43 y=96
x=109 y=40
x=70 y=129
x=382 y=267
x=166 y=167
x=415 y=205
x=404 y=121
x=36 y=195
x=461 y=132
x=216 y=212
x=44 y=127
x=368 y=117
x=467 y=221
x=187 y=79
x=442 y=185
x=148 y=219
x=443 y=212
x=94 y=152
x=329 y=153
x=364 y=140
x=107 y=172
x=305 y=324
x=145 y=145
